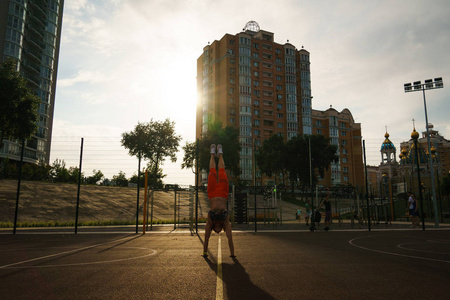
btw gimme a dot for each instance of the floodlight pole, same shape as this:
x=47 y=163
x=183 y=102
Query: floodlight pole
x=438 y=83
x=430 y=159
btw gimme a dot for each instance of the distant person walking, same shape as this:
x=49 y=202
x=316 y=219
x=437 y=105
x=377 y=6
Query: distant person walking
x=307 y=214
x=413 y=210
x=327 y=205
x=298 y=214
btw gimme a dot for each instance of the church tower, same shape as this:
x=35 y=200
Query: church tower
x=388 y=158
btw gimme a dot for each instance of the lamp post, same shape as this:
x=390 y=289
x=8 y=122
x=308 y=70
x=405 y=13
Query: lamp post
x=428 y=85
x=415 y=136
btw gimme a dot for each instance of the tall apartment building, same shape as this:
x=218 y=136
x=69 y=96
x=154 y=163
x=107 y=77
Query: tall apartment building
x=30 y=32
x=260 y=87
x=343 y=132
x=255 y=84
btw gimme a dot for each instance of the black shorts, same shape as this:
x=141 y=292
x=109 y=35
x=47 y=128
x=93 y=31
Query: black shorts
x=218 y=215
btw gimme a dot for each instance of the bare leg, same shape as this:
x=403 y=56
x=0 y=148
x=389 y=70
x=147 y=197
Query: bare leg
x=208 y=228
x=212 y=162
x=221 y=162
x=228 y=231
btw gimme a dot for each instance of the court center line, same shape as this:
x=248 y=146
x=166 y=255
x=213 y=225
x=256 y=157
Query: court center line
x=219 y=285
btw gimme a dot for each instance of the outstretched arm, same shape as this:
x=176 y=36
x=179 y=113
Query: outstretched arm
x=227 y=229
x=208 y=229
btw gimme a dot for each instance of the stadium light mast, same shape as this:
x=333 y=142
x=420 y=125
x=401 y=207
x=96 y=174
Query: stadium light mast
x=415 y=87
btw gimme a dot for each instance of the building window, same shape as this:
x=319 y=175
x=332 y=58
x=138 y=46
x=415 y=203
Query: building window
x=319 y=131
x=255 y=45
x=343 y=133
x=256 y=123
x=280 y=115
x=280 y=125
x=255 y=55
x=279 y=97
x=279 y=87
x=278 y=69
x=256 y=112
x=256 y=102
x=257 y=132
x=256 y=83
x=344 y=160
x=231 y=120
x=278 y=51
x=231 y=42
x=279 y=77
x=279 y=106
x=256 y=64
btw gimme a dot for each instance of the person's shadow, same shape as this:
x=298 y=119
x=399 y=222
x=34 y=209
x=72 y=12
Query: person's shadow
x=237 y=282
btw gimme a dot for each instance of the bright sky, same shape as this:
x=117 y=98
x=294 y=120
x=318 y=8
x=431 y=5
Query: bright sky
x=129 y=61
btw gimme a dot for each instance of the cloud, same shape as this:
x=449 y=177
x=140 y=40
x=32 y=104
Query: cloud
x=125 y=61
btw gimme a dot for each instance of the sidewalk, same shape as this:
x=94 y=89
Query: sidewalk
x=291 y=225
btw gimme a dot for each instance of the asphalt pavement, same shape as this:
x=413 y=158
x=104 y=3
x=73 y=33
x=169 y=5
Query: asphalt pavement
x=277 y=262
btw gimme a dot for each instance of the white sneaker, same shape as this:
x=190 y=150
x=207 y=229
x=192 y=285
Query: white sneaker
x=219 y=149
x=213 y=149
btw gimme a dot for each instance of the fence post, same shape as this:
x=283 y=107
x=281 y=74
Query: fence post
x=18 y=186
x=137 y=201
x=79 y=183
x=144 y=215
x=175 y=211
x=151 y=211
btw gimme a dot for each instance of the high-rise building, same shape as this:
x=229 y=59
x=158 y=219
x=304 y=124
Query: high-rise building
x=30 y=33
x=249 y=81
x=341 y=129
x=263 y=88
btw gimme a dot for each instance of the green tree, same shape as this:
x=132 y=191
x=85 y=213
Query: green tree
x=270 y=157
x=59 y=172
x=18 y=105
x=154 y=141
x=120 y=179
x=153 y=182
x=190 y=150
x=73 y=175
x=276 y=156
x=445 y=185
x=216 y=134
x=297 y=155
x=96 y=177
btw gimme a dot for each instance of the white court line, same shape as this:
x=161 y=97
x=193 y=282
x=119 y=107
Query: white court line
x=57 y=254
x=351 y=242
x=219 y=285
x=402 y=246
